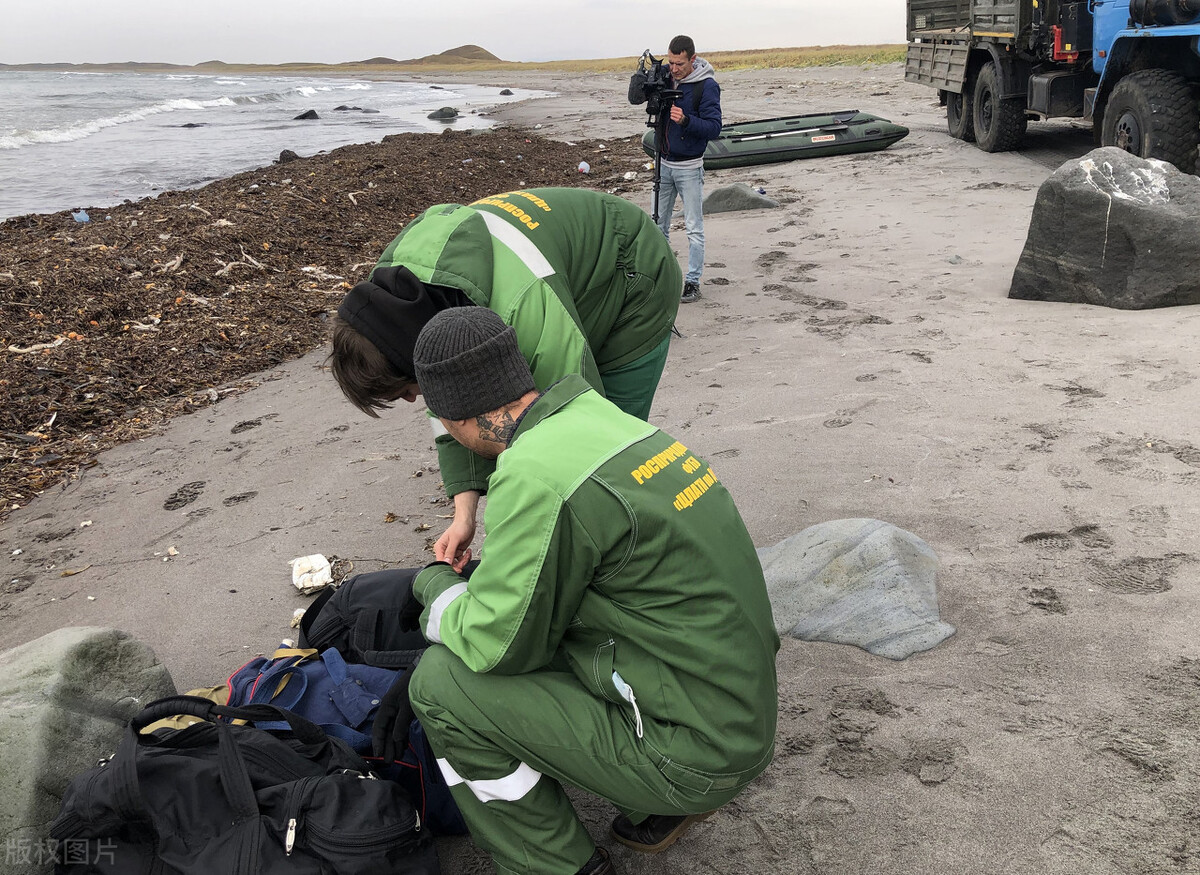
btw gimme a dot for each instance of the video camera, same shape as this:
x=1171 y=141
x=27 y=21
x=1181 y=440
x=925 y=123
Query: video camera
x=650 y=84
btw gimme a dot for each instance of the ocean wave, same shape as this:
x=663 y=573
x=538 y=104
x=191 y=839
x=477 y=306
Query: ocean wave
x=79 y=130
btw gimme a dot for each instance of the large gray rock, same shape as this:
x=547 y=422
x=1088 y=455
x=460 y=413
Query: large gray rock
x=739 y=196
x=64 y=701
x=858 y=581
x=1114 y=230
x=444 y=114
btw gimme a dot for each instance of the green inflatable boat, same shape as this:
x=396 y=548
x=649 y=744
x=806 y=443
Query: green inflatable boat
x=795 y=136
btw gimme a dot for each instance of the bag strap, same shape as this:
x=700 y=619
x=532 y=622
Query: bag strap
x=335 y=665
x=284 y=652
x=235 y=777
x=305 y=730
x=286 y=675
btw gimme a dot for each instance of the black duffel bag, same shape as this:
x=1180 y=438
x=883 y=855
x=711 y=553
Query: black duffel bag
x=361 y=620
x=217 y=797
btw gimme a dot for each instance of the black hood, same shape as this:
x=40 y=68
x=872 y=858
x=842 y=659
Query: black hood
x=391 y=308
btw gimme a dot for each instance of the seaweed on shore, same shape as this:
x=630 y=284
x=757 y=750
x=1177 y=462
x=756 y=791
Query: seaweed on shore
x=160 y=307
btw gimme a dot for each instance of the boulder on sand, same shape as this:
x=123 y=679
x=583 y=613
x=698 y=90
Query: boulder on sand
x=287 y=155
x=1114 y=230
x=445 y=114
x=856 y=581
x=739 y=196
x=67 y=697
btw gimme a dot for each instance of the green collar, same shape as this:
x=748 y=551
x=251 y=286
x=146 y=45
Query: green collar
x=550 y=402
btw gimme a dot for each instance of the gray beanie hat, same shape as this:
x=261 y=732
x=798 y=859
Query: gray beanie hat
x=467 y=363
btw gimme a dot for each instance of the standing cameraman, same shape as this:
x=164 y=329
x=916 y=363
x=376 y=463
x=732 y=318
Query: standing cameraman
x=695 y=119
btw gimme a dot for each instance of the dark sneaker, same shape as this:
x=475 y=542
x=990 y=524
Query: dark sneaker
x=656 y=833
x=599 y=864
x=691 y=292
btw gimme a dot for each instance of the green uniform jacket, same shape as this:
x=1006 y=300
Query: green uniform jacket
x=586 y=279
x=611 y=548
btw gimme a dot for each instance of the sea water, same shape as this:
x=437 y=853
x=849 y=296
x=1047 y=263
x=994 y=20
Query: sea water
x=70 y=140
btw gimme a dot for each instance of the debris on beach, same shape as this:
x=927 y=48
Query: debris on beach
x=111 y=328
x=311 y=573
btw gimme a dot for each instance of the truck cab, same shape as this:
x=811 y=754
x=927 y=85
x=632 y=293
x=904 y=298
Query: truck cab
x=1130 y=67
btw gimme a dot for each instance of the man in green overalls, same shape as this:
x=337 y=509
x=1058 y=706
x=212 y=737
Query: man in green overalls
x=585 y=278
x=616 y=634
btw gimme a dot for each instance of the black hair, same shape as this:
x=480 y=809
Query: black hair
x=682 y=45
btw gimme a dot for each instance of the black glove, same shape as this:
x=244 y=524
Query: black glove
x=389 y=731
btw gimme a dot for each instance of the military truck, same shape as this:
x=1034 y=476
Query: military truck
x=1130 y=67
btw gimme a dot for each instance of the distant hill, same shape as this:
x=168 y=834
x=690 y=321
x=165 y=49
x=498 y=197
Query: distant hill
x=460 y=55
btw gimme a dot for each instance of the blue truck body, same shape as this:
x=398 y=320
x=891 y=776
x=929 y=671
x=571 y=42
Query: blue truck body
x=1130 y=67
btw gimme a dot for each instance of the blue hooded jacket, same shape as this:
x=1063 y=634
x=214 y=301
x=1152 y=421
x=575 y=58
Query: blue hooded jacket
x=700 y=123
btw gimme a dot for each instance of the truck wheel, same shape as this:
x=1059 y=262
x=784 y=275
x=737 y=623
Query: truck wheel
x=958 y=115
x=1152 y=114
x=999 y=124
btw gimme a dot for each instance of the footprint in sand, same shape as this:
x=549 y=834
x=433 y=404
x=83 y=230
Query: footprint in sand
x=770 y=260
x=1176 y=380
x=1049 y=541
x=1046 y=598
x=245 y=426
x=238 y=499
x=1138 y=575
x=1077 y=395
x=923 y=357
x=1091 y=536
x=1189 y=456
x=993 y=646
x=1063 y=472
x=184 y=495
x=1154 y=517
x=1087 y=535
x=931 y=761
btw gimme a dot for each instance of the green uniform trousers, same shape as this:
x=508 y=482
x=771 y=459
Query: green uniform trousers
x=632 y=386
x=504 y=742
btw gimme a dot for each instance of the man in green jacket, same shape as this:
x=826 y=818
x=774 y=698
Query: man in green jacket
x=585 y=278
x=616 y=634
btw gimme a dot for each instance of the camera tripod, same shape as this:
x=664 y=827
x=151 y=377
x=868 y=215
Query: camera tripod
x=658 y=119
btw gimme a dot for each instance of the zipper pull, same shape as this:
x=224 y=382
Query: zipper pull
x=289 y=841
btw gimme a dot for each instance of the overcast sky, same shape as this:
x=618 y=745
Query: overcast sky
x=277 y=31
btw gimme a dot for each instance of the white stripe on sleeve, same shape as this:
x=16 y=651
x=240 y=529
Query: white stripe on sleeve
x=433 y=627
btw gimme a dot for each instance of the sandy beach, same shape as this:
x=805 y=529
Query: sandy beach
x=854 y=355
